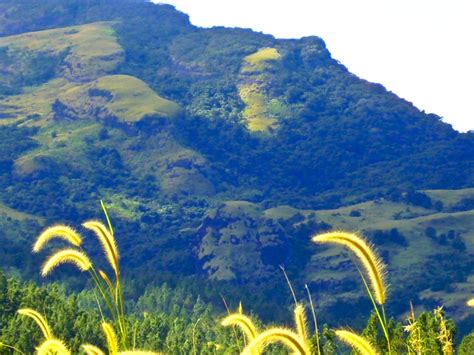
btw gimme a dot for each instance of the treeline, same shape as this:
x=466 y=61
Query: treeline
x=162 y=319
x=171 y=321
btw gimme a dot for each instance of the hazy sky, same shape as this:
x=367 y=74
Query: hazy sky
x=422 y=50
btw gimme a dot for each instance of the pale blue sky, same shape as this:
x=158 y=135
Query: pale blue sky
x=422 y=50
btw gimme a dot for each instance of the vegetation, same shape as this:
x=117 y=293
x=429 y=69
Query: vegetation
x=120 y=97
x=425 y=333
x=220 y=153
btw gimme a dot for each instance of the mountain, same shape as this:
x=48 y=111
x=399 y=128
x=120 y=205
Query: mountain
x=219 y=152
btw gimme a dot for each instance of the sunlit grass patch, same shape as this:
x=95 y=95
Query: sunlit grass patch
x=122 y=96
x=258 y=60
x=91 y=50
x=255 y=111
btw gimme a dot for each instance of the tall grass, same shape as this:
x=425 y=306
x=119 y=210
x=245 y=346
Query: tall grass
x=374 y=267
x=109 y=289
x=256 y=340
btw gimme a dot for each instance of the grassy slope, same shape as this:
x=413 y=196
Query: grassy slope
x=90 y=52
x=92 y=49
x=62 y=142
x=131 y=99
x=450 y=197
x=252 y=90
x=329 y=265
x=16 y=215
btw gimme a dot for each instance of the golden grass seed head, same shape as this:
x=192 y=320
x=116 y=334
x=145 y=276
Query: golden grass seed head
x=92 y=350
x=275 y=335
x=111 y=337
x=63 y=232
x=107 y=241
x=372 y=263
x=356 y=341
x=106 y=279
x=52 y=346
x=39 y=320
x=243 y=322
x=72 y=256
x=138 y=352
x=301 y=322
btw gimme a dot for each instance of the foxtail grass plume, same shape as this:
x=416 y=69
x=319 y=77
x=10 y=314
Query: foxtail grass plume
x=52 y=347
x=112 y=344
x=59 y=231
x=72 y=256
x=107 y=241
x=243 y=322
x=138 y=352
x=111 y=337
x=301 y=322
x=92 y=350
x=104 y=277
x=39 y=320
x=277 y=335
x=372 y=263
x=356 y=341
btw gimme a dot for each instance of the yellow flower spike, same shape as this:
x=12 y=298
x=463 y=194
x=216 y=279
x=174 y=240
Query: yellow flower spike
x=107 y=241
x=138 y=352
x=275 y=335
x=75 y=257
x=111 y=337
x=39 y=320
x=356 y=341
x=301 y=322
x=59 y=231
x=372 y=263
x=243 y=322
x=52 y=347
x=92 y=350
x=104 y=277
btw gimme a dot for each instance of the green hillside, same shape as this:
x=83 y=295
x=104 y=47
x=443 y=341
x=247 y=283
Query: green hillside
x=219 y=152
x=124 y=97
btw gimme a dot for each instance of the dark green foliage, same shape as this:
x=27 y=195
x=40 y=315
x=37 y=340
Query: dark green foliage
x=13 y=142
x=467 y=345
x=393 y=236
x=63 y=314
x=25 y=68
x=163 y=319
x=465 y=204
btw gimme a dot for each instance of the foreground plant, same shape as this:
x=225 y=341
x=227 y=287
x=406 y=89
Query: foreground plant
x=297 y=341
x=110 y=289
x=358 y=342
x=414 y=340
x=445 y=336
x=373 y=266
x=112 y=345
x=51 y=345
